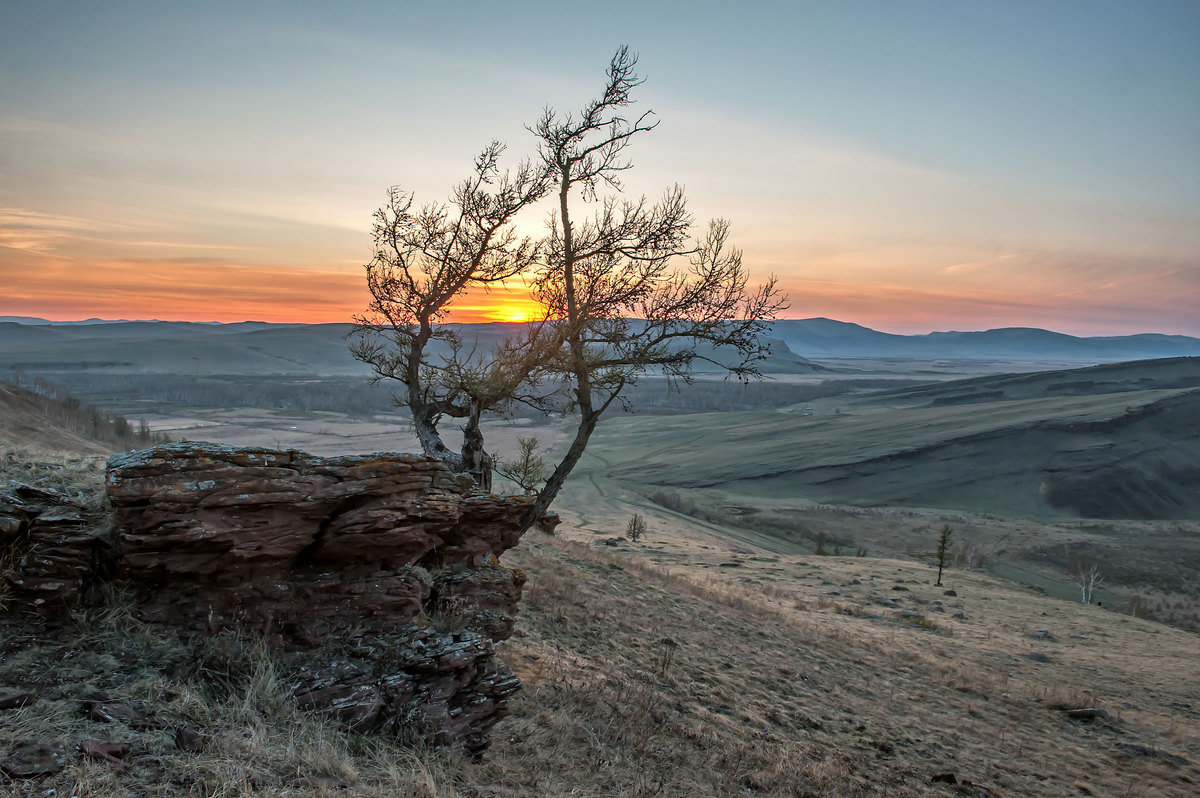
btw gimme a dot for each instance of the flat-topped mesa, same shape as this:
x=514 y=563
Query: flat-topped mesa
x=391 y=553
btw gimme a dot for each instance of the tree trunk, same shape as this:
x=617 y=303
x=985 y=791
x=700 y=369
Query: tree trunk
x=475 y=461
x=549 y=491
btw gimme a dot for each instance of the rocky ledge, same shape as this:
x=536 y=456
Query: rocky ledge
x=376 y=575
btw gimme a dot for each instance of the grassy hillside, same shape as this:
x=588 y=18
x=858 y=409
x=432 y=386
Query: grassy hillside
x=827 y=338
x=733 y=673
x=1120 y=449
x=1108 y=378
x=703 y=660
x=45 y=418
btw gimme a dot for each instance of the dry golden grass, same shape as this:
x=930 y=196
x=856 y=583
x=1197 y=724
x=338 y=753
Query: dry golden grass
x=685 y=665
x=643 y=679
x=79 y=478
x=257 y=742
x=778 y=688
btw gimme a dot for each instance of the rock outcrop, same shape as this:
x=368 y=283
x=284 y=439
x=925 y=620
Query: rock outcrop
x=376 y=576
x=52 y=549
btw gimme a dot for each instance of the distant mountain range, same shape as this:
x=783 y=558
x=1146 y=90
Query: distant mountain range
x=37 y=346
x=244 y=348
x=40 y=322
x=826 y=338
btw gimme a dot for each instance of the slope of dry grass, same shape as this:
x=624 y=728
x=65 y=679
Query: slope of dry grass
x=44 y=417
x=688 y=664
x=795 y=677
x=778 y=676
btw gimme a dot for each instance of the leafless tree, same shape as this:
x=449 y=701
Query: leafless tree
x=636 y=527
x=1087 y=577
x=425 y=258
x=969 y=555
x=615 y=302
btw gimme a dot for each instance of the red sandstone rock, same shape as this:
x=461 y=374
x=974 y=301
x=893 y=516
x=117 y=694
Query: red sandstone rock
x=390 y=556
x=112 y=753
x=392 y=550
x=28 y=760
x=55 y=547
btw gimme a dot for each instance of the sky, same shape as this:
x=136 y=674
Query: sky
x=910 y=166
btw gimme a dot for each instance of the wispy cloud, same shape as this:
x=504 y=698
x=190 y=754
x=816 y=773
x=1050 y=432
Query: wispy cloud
x=975 y=265
x=192 y=245
x=41 y=232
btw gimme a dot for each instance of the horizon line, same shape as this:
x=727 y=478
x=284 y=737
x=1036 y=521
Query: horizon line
x=95 y=320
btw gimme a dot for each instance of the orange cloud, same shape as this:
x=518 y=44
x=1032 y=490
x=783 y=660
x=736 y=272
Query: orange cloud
x=199 y=289
x=33 y=284
x=1076 y=294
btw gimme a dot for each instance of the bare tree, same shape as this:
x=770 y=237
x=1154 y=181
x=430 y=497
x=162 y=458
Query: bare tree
x=615 y=303
x=426 y=258
x=969 y=555
x=617 y=306
x=636 y=527
x=1087 y=577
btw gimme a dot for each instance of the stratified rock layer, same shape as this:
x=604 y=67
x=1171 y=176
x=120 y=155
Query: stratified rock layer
x=52 y=549
x=375 y=575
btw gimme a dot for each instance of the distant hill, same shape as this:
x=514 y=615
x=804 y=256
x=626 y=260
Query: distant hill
x=140 y=347
x=1107 y=378
x=826 y=338
x=320 y=350
x=1111 y=450
x=45 y=418
x=246 y=348
x=35 y=320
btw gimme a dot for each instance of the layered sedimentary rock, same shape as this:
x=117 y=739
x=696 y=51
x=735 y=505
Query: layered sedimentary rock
x=52 y=549
x=375 y=575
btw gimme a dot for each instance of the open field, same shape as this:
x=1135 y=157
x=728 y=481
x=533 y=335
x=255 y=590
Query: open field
x=1015 y=479
x=1011 y=463
x=329 y=433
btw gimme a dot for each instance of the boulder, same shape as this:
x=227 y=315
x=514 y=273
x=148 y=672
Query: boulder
x=303 y=547
x=377 y=577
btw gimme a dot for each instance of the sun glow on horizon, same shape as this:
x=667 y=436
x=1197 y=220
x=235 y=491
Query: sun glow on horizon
x=507 y=305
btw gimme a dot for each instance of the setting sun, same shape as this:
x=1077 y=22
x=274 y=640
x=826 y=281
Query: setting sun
x=515 y=311
x=503 y=304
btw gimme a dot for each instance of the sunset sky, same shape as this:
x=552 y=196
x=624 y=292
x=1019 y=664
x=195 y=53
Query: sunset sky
x=910 y=166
